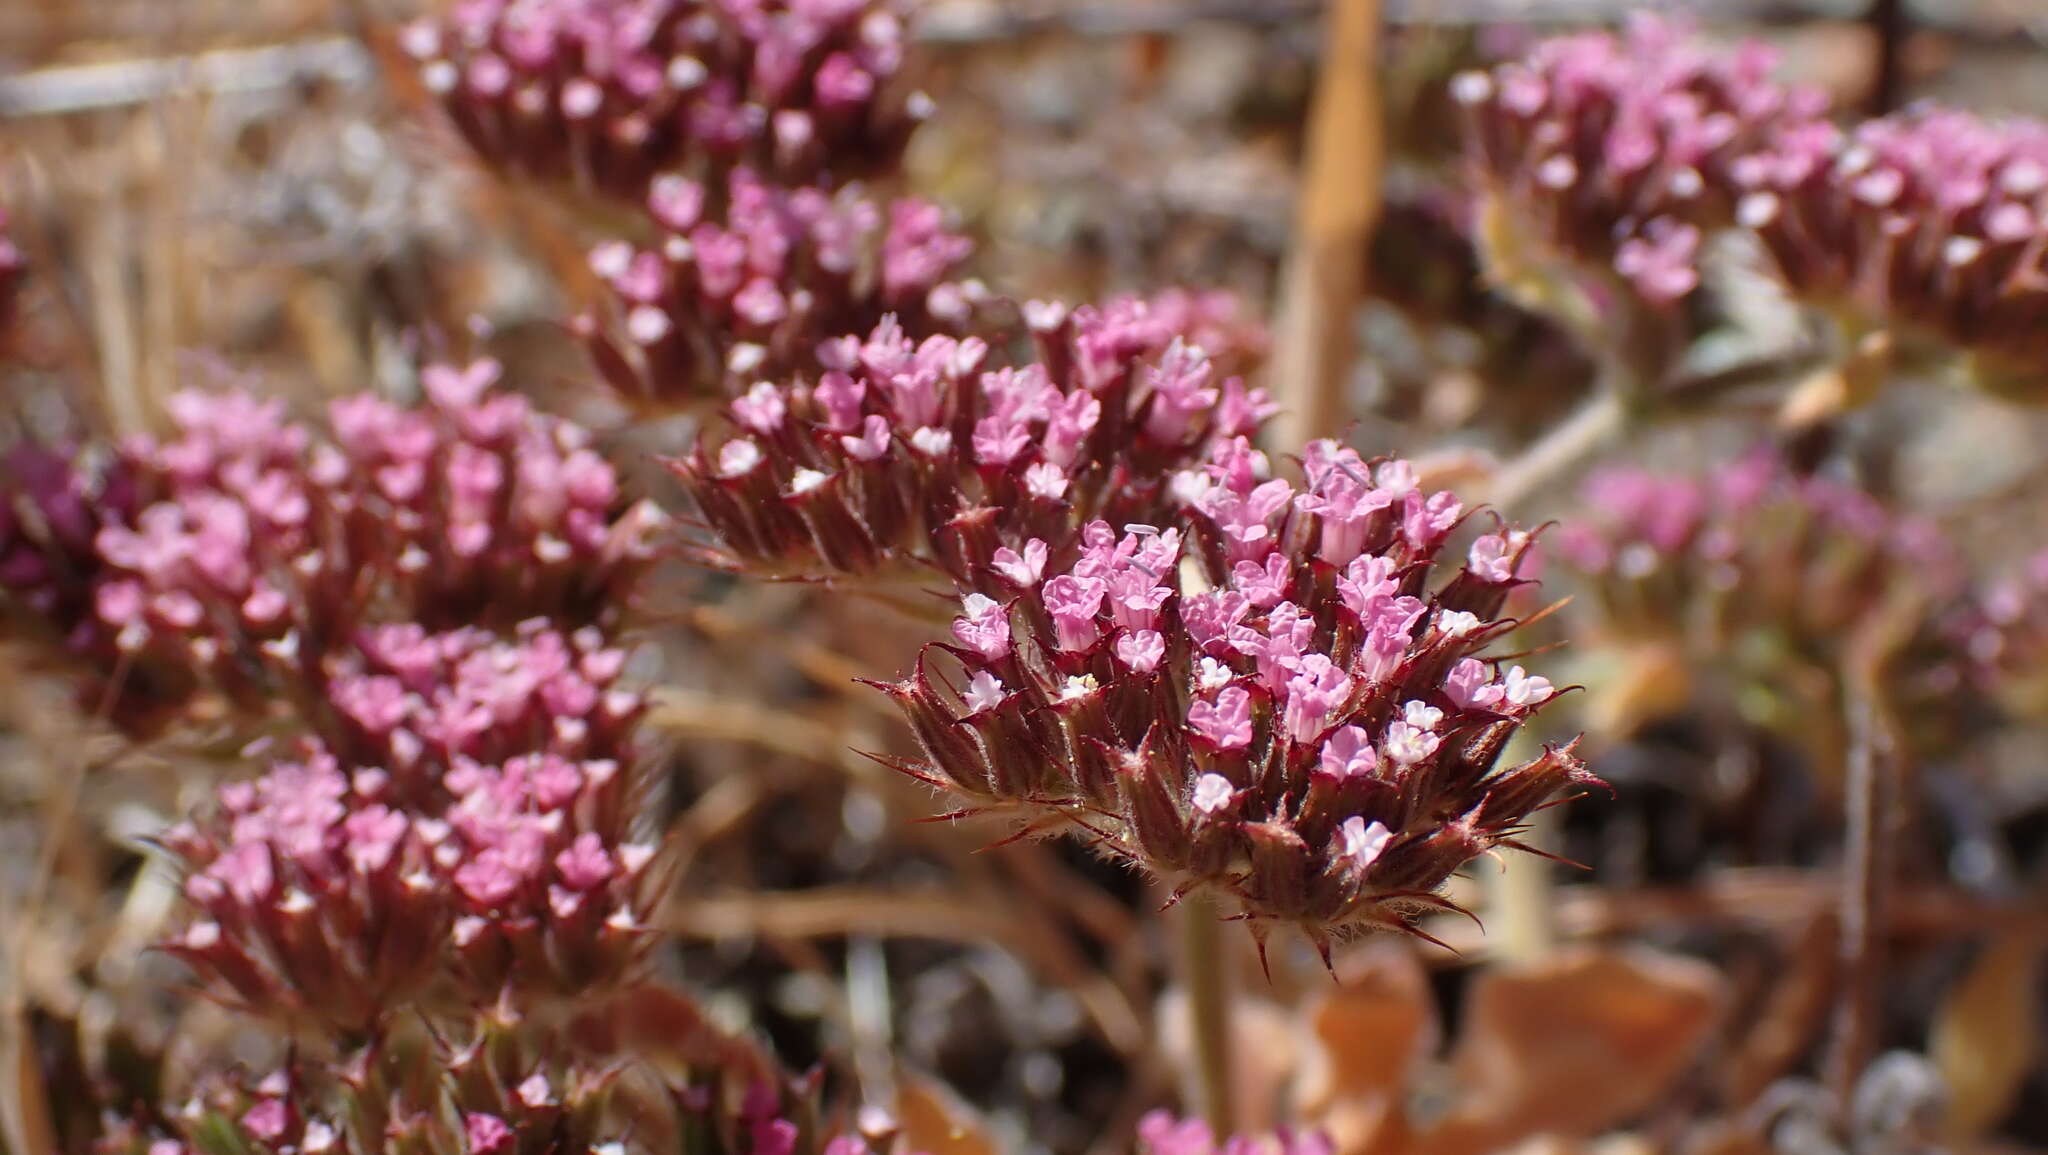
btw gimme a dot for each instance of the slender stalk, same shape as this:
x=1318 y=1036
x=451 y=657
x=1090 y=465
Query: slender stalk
x=1865 y=876
x=1560 y=450
x=1870 y=787
x=1523 y=897
x=1205 y=972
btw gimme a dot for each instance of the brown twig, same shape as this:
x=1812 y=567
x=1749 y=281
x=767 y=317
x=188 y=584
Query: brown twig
x=1339 y=202
x=1891 y=24
x=1864 y=892
x=1870 y=786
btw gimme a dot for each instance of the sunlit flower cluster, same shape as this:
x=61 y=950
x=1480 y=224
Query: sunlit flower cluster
x=341 y=893
x=264 y=548
x=944 y=452
x=1998 y=636
x=1280 y=694
x=750 y=279
x=1618 y=153
x=605 y=94
x=1928 y=222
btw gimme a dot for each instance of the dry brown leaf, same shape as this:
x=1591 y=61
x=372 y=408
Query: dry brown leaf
x=1792 y=1014
x=936 y=1122
x=1370 y=1030
x=1367 y=1036
x=1579 y=1042
x=1984 y=1038
x=1652 y=680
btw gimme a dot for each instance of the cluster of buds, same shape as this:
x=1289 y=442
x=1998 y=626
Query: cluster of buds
x=908 y=451
x=335 y=892
x=1998 y=638
x=268 y=549
x=53 y=505
x=498 y=1090
x=1746 y=547
x=1160 y=1133
x=606 y=94
x=392 y=1094
x=418 y=704
x=1284 y=703
x=1928 y=223
x=1613 y=154
x=749 y=283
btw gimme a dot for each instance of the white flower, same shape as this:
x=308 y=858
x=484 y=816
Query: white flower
x=932 y=441
x=1212 y=793
x=1364 y=843
x=1407 y=744
x=984 y=692
x=1421 y=715
x=1524 y=689
x=1457 y=623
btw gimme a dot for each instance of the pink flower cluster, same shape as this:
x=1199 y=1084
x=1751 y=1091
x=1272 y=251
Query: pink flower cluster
x=268 y=548
x=1160 y=1133
x=319 y=894
x=391 y=1096
x=471 y=827
x=1618 y=152
x=1744 y=546
x=493 y=1093
x=607 y=93
x=1275 y=702
x=746 y=284
x=1930 y=221
x=1999 y=638
x=53 y=504
x=418 y=704
x=935 y=452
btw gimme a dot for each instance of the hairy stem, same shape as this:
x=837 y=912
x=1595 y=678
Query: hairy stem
x=1205 y=971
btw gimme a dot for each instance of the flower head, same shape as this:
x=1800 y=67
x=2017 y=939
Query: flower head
x=935 y=451
x=1927 y=223
x=604 y=95
x=267 y=548
x=1617 y=151
x=470 y=824
x=1316 y=735
x=748 y=284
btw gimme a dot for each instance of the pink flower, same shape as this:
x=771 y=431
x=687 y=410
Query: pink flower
x=1141 y=651
x=1363 y=842
x=985 y=628
x=486 y=1134
x=1225 y=721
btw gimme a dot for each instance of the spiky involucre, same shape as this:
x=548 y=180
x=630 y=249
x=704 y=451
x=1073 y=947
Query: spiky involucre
x=1281 y=696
